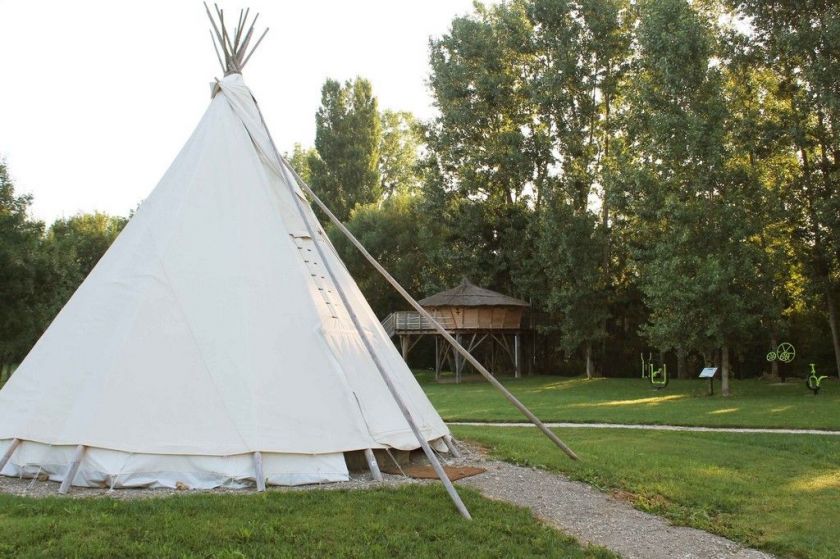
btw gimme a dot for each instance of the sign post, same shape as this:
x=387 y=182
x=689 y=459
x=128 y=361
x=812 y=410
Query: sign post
x=709 y=373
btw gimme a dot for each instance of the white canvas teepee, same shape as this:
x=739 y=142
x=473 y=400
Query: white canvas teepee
x=210 y=331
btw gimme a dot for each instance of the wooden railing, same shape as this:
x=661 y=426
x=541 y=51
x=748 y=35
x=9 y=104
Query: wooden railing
x=402 y=321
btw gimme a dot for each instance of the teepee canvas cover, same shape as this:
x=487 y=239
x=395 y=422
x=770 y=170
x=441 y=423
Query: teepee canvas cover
x=208 y=332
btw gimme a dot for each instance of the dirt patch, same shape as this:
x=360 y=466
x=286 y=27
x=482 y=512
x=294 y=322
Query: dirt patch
x=454 y=473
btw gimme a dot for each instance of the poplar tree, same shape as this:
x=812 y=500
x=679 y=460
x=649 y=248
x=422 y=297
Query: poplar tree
x=582 y=50
x=348 y=134
x=486 y=159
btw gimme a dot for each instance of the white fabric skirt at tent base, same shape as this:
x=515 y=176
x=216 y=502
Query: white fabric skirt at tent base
x=112 y=469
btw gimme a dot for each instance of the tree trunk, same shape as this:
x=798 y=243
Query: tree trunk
x=774 y=365
x=724 y=372
x=832 y=321
x=589 y=360
x=682 y=370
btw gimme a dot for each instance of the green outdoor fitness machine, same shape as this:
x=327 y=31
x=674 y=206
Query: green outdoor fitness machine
x=657 y=377
x=784 y=353
x=813 y=381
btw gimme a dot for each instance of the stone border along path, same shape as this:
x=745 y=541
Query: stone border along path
x=652 y=427
x=572 y=507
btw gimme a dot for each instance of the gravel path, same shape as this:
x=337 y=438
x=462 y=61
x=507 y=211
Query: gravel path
x=595 y=517
x=652 y=427
x=572 y=507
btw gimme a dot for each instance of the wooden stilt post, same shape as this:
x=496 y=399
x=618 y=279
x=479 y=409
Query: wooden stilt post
x=438 y=359
x=259 y=472
x=8 y=454
x=449 y=357
x=373 y=466
x=517 y=358
x=450 y=444
x=492 y=354
x=72 y=469
x=405 y=343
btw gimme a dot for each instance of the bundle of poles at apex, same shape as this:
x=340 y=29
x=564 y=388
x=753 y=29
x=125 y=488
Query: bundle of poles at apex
x=235 y=57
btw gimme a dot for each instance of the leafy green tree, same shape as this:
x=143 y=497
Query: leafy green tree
x=569 y=251
x=20 y=269
x=348 y=136
x=583 y=51
x=394 y=231
x=488 y=156
x=399 y=152
x=299 y=160
x=85 y=238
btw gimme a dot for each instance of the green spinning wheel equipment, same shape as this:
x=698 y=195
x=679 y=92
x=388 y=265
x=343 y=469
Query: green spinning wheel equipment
x=784 y=353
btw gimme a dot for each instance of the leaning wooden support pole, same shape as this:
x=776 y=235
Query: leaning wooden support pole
x=425 y=314
x=8 y=454
x=450 y=444
x=395 y=394
x=372 y=465
x=71 y=471
x=259 y=473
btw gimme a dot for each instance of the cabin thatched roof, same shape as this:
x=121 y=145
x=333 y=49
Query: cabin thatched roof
x=467 y=294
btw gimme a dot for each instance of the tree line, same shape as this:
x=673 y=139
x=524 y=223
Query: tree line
x=651 y=175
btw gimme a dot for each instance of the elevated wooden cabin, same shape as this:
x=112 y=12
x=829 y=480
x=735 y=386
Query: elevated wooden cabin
x=470 y=313
x=469 y=307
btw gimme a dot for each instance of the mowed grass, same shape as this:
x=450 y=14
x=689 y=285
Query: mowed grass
x=416 y=521
x=754 y=403
x=780 y=493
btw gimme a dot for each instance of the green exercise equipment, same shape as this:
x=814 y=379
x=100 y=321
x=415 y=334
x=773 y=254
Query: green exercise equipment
x=657 y=377
x=813 y=381
x=784 y=353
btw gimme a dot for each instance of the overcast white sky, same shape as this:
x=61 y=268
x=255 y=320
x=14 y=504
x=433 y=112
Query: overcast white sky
x=97 y=97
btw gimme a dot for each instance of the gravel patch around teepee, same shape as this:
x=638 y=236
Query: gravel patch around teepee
x=42 y=488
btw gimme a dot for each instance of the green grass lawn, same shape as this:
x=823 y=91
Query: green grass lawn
x=417 y=521
x=754 y=403
x=780 y=493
